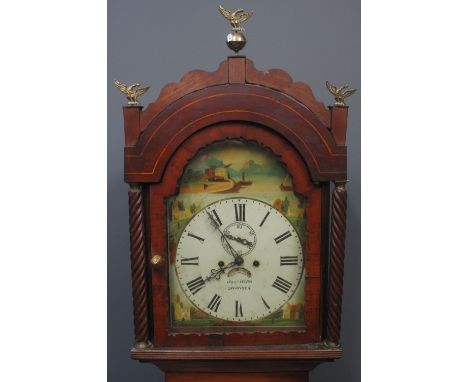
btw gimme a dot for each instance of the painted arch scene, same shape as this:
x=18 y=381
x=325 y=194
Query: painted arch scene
x=227 y=169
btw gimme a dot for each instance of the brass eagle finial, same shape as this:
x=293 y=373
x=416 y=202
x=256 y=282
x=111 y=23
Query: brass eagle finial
x=236 y=18
x=339 y=93
x=132 y=92
x=236 y=39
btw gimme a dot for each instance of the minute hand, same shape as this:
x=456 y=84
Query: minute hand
x=223 y=237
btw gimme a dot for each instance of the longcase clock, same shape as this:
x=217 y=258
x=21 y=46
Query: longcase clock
x=237 y=208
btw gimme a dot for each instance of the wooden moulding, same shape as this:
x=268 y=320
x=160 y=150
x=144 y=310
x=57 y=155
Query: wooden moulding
x=238 y=359
x=311 y=352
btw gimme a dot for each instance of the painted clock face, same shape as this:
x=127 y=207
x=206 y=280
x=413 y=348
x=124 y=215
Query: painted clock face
x=239 y=259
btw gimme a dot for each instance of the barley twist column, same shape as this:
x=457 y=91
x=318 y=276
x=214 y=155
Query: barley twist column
x=337 y=252
x=138 y=265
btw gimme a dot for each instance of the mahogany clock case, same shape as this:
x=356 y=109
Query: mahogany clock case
x=235 y=103
x=118 y=215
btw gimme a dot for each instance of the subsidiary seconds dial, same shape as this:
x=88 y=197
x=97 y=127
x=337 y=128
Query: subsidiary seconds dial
x=239 y=259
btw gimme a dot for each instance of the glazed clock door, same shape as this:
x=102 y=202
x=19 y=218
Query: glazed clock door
x=236 y=237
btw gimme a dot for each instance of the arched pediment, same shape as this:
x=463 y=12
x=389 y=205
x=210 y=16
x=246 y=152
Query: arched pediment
x=236 y=92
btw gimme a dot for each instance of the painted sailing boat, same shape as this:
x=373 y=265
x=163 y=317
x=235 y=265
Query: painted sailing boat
x=244 y=182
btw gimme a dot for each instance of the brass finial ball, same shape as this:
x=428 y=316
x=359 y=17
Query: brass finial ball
x=236 y=41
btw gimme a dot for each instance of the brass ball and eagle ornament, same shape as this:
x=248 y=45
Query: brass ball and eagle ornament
x=236 y=39
x=237 y=206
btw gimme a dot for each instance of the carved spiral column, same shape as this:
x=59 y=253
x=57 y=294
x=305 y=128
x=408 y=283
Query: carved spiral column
x=138 y=264
x=337 y=252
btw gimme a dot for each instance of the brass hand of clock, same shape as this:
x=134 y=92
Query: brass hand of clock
x=237 y=258
x=240 y=240
x=216 y=273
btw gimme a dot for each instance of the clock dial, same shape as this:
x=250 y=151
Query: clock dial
x=239 y=259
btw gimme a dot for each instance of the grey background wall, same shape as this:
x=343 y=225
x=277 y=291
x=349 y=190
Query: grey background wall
x=156 y=42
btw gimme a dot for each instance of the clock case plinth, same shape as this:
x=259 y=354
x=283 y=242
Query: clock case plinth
x=237 y=101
